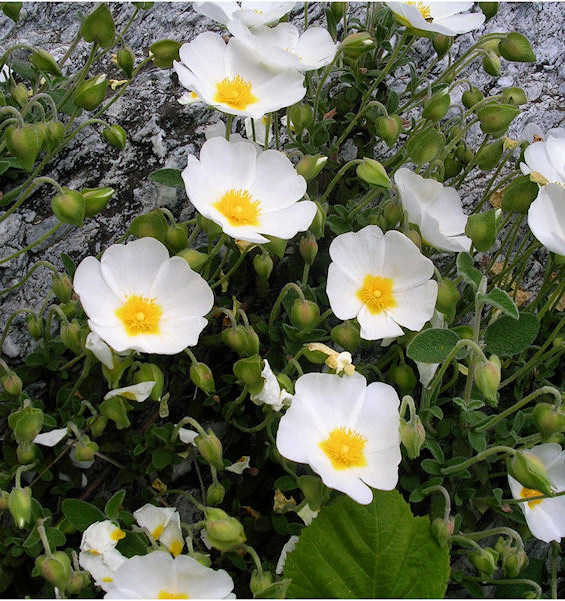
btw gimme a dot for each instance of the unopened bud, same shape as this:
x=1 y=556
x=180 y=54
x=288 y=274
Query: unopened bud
x=98 y=425
x=481 y=229
x=19 y=504
x=514 y=95
x=514 y=562
x=164 y=52
x=305 y=315
x=310 y=165
x=223 y=531
x=442 y=530
x=24 y=143
x=85 y=449
x=489 y=155
x=12 y=10
x=26 y=452
x=413 y=436
x=176 y=237
x=447 y=296
x=62 y=286
x=149 y=372
x=388 y=128
x=4 y=496
x=318 y=224
x=347 y=335
x=451 y=167
x=516 y=48
x=314 y=490
x=285 y=383
x=69 y=207
x=519 y=195
x=26 y=423
x=338 y=9
x=210 y=448
x=491 y=64
x=484 y=561
x=437 y=106
x=202 y=377
x=471 y=97
x=530 y=472
x=487 y=379
x=12 y=383
x=99 y=27
x=356 y=44
x=489 y=9
x=308 y=249
x=263 y=265
x=236 y=339
x=152 y=224
x=91 y=93
x=116 y=409
x=56 y=568
x=78 y=581
x=54 y=132
x=496 y=117
x=257 y=583
x=195 y=259
x=33 y=324
x=441 y=43
x=215 y=494
x=19 y=94
x=96 y=199
x=43 y=61
x=248 y=371
x=373 y=172
x=71 y=335
x=548 y=420
x=115 y=135
x=403 y=376
x=125 y=60
x=426 y=145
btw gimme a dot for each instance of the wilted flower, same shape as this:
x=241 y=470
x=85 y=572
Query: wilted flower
x=438 y=17
x=545 y=517
x=164 y=525
x=547 y=157
x=100 y=349
x=100 y=537
x=436 y=209
x=383 y=280
x=101 y=566
x=346 y=431
x=160 y=576
x=271 y=393
x=247 y=192
x=137 y=297
x=546 y=217
x=239 y=466
x=189 y=98
x=231 y=78
x=250 y=14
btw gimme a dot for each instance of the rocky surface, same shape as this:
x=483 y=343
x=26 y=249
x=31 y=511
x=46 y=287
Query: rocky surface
x=161 y=133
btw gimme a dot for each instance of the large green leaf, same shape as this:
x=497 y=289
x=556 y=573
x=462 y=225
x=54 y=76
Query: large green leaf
x=81 y=514
x=368 y=551
x=508 y=336
x=432 y=345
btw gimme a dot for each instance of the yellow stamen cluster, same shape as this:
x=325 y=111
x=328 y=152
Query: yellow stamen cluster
x=167 y=595
x=175 y=547
x=158 y=531
x=238 y=207
x=117 y=535
x=140 y=315
x=526 y=493
x=344 y=447
x=235 y=92
x=376 y=293
x=424 y=10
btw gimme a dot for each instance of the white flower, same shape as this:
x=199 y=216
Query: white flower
x=435 y=209
x=547 y=158
x=50 y=439
x=383 y=280
x=284 y=48
x=287 y=548
x=247 y=192
x=346 y=431
x=100 y=349
x=239 y=466
x=340 y=362
x=100 y=537
x=160 y=576
x=530 y=133
x=546 y=217
x=189 y=98
x=250 y=14
x=164 y=525
x=271 y=393
x=102 y=567
x=137 y=297
x=231 y=78
x=545 y=517
x=438 y=17
x=260 y=126
x=136 y=392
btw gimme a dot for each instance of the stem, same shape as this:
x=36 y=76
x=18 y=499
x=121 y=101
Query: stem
x=234 y=268
x=43 y=536
x=20 y=470
x=337 y=177
x=555 y=551
x=29 y=274
x=9 y=323
x=494 y=531
x=445 y=494
x=255 y=557
x=32 y=245
x=176 y=491
x=276 y=307
x=479 y=457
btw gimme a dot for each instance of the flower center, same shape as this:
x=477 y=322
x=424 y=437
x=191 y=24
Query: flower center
x=238 y=208
x=526 y=493
x=376 y=293
x=167 y=595
x=235 y=92
x=344 y=447
x=424 y=10
x=117 y=535
x=140 y=315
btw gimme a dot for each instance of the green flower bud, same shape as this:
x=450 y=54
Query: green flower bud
x=194 y=258
x=176 y=237
x=201 y=376
x=299 y=117
x=149 y=372
x=78 y=581
x=412 y=436
x=248 y=371
x=356 y=44
x=26 y=423
x=285 y=382
x=513 y=563
x=235 y=338
x=210 y=228
x=441 y=43
x=481 y=229
x=275 y=246
x=316 y=357
x=91 y=93
x=310 y=165
x=487 y=379
x=263 y=265
x=315 y=491
x=4 y=496
x=152 y=224
x=98 y=425
x=451 y=167
x=548 y=420
x=403 y=376
x=447 y=296
x=415 y=237
x=489 y=156
x=12 y=10
x=530 y=472
x=62 y=286
x=338 y=10
x=20 y=94
x=388 y=128
x=484 y=561
x=308 y=249
x=257 y=583
x=491 y=64
x=373 y=172
x=425 y=146
x=251 y=341
x=43 y=61
x=347 y=335
x=437 y=106
x=70 y=309
x=69 y=206
x=519 y=195
x=201 y=558
x=85 y=449
x=215 y=494
x=24 y=143
x=116 y=409
x=318 y=224
x=26 y=452
x=489 y=9
x=305 y=315
x=164 y=52
x=442 y=530
x=19 y=504
x=99 y=27
x=516 y=48
x=55 y=132
x=223 y=532
x=56 y=568
x=496 y=117
x=471 y=97
x=33 y=324
x=96 y=199
x=71 y=335
x=12 y=383
x=125 y=60
x=210 y=448
x=115 y=135
x=514 y=95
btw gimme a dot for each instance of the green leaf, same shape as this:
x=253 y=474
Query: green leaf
x=508 y=336
x=81 y=514
x=277 y=590
x=467 y=270
x=167 y=177
x=368 y=551
x=501 y=300
x=112 y=509
x=432 y=346
x=134 y=543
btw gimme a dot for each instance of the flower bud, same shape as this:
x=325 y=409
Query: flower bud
x=85 y=449
x=54 y=133
x=99 y=27
x=347 y=335
x=91 y=93
x=451 y=167
x=516 y=48
x=373 y=172
x=116 y=409
x=315 y=491
x=308 y=249
x=55 y=568
x=20 y=94
x=471 y=97
x=356 y=44
x=202 y=377
x=318 y=223
x=338 y=10
x=285 y=383
x=248 y=371
x=69 y=206
x=310 y=165
x=548 y=420
x=26 y=423
x=513 y=562
x=19 y=504
x=98 y=425
x=489 y=9
x=251 y=346
x=125 y=59
x=388 y=128
x=481 y=229
x=305 y=315
x=43 y=61
x=24 y=143
x=115 y=135
x=484 y=561
x=530 y=472
x=489 y=155
x=210 y=448
x=144 y=5
x=235 y=338
x=426 y=145
x=164 y=52
x=514 y=95
x=12 y=383
x=152 y=224
x=71 y=335
x=194 y=258
x=447 y=296
x=33 y=324
x=496 y=117
x=263 y=265
x=491 y=64
x=487 y=379
x=403 y=376
x=257 y=583
x=4 y=496
x=26 y=452
x=441 y=43
x=78 y=581
x=223 y=531
x=412 y=436
x=149 y=372
x=12 y=10
x=96 y=199
x=519 y=195
x=176 y=237
x=437 y=106
x=442 y=530
x=62 y=286
x=299 y=117
x=215 y=494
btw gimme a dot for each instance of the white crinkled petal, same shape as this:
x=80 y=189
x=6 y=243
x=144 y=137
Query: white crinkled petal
x=239 y=466
x=135 y=392
x=50 y=439
x=100 y=349
x=187 y=436
x=287 y=548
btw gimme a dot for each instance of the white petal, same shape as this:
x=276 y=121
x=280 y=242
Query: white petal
x=287 y=222
x=50 y=439
x=342 y=289
x=415 y=306
x=187 y=436
x=380 y=325
x=136 y=392
x=359 y=253
x=239 y=466
x=100 y=349
x=546 y=217
x=404 y=263
x=96 y=297
x=287 y=548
